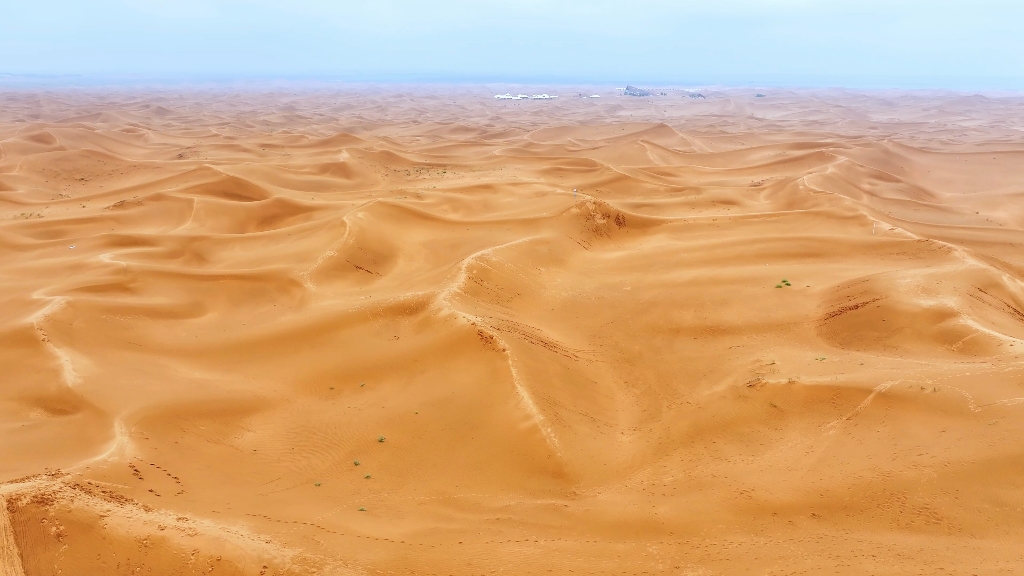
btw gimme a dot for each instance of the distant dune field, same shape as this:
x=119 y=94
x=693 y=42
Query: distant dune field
x=417 y=331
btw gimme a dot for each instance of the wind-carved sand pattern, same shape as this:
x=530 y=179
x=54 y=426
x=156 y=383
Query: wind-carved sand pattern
x=444 y=298
x=116 y=450
x=331 y=253
x=833 y=426
x=430 y=332
x=67 y=368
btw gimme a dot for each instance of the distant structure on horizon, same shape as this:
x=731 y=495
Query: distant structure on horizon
x=509 y=96
x=634 y=91
x=697 y=95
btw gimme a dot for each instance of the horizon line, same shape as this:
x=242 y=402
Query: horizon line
x=777 y=81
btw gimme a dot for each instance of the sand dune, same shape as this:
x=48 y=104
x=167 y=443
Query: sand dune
x=377 y=332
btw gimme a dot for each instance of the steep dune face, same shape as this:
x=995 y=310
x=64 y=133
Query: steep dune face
x=434 y=333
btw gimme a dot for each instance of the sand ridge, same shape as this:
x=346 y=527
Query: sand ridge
x=375 y=330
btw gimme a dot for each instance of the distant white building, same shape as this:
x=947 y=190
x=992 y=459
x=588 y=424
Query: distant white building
x=594 y=96
x=509 y=96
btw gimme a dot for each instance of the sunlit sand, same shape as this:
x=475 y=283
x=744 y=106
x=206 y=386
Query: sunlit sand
x=425 y=332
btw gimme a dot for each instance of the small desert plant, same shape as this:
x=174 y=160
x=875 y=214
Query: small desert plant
x=356 y=462
x=380 y=438
x=361 y=509
x=367 y=476
x=317 y=484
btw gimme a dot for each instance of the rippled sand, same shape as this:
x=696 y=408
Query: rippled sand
x=326 y=331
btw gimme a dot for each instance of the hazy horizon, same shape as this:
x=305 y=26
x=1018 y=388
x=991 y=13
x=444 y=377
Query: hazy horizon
x=951 y=44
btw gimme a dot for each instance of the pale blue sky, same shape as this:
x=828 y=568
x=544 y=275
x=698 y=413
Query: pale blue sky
x=965 y=44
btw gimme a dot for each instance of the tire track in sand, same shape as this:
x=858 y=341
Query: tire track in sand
x=10 y=558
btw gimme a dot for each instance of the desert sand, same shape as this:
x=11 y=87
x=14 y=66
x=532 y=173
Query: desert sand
x=363 y=330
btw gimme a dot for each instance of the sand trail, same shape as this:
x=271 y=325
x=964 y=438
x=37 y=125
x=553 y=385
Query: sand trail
x=375 y=331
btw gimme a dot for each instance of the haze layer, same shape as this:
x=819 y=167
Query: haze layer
x=420 y=332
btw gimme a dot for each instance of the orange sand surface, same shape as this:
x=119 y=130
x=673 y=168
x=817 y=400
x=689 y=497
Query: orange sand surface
x=368 y=331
